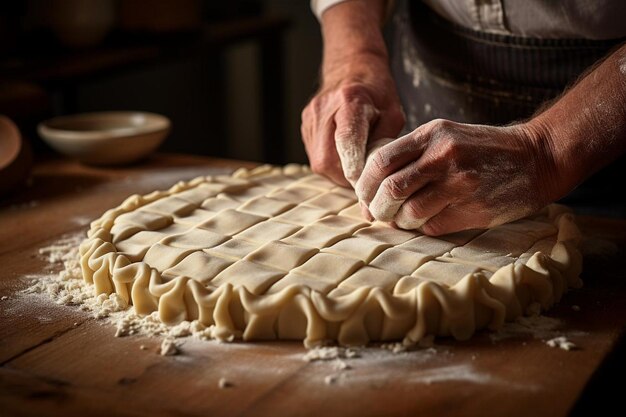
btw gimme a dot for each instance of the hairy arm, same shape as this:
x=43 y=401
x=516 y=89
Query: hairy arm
x=586 y=127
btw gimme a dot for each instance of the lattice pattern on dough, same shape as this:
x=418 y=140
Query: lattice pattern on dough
x=272 y=230
x=296 y=222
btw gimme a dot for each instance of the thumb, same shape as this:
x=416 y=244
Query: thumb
x=352 y=130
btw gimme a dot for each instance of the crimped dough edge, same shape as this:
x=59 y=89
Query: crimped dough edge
x=364 y=315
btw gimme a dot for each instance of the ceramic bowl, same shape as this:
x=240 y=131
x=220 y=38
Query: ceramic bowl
x=106 y=138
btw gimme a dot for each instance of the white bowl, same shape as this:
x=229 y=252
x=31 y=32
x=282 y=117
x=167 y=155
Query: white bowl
x=106 y=138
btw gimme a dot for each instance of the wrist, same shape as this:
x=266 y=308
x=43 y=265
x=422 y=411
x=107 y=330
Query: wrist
x=360 y=67
x=554 y=178
x=351 y=32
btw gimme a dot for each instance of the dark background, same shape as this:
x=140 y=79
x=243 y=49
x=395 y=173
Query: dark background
x=233 y=76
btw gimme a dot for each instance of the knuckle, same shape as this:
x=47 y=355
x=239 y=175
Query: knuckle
x=378 y=165
x=439 y=128
x=324 y=166
x=394 y=187
x=433 y=227
x=450 y=149
x=352 y=92
x=431 y=125
x=316 y=106
x=415 y=208
x=442 y=124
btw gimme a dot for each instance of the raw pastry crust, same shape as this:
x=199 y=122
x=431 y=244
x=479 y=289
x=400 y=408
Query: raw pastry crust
x=283 y=253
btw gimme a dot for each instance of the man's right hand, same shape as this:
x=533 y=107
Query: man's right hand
x=345 y=114
x=357 y=103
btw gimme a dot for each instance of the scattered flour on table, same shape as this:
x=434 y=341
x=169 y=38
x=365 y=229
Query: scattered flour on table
x=333 y=379
x=328 y=353
x=169 y=347
x=468 y=373
x=377 y=366
x=427 y=341
x=561 y=342
x=341 y=365
x=81 y=220
x=463 y=372
x=338 y=355
x=224 y=383
x=541 y=327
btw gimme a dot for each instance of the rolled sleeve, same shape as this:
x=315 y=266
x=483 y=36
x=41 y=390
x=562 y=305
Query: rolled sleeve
x=320 y=6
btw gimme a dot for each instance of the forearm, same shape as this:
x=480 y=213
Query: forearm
x=352 y=35
x=586 y=127
x=357 y=102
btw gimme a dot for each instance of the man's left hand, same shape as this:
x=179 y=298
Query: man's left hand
x=445 y=177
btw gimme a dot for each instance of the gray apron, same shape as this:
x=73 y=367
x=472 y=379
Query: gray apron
x=443 y=70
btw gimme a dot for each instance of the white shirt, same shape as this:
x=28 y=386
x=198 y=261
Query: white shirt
x=584 y=19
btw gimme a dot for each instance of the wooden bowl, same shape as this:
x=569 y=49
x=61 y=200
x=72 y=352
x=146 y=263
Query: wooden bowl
x=106 y=138
x=15 y=156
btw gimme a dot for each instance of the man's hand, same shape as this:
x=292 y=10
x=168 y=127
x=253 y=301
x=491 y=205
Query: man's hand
x=346 y=113
x=446 y=177
x=357 y=102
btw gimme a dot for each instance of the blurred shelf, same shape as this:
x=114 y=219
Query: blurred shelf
x=49 y=64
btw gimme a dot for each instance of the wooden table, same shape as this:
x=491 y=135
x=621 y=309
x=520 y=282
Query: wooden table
x=58 y=360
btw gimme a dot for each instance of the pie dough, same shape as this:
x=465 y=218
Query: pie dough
x=281 y=253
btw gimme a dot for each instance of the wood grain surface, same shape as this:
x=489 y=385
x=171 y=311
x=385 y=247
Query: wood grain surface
x=59 y=360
